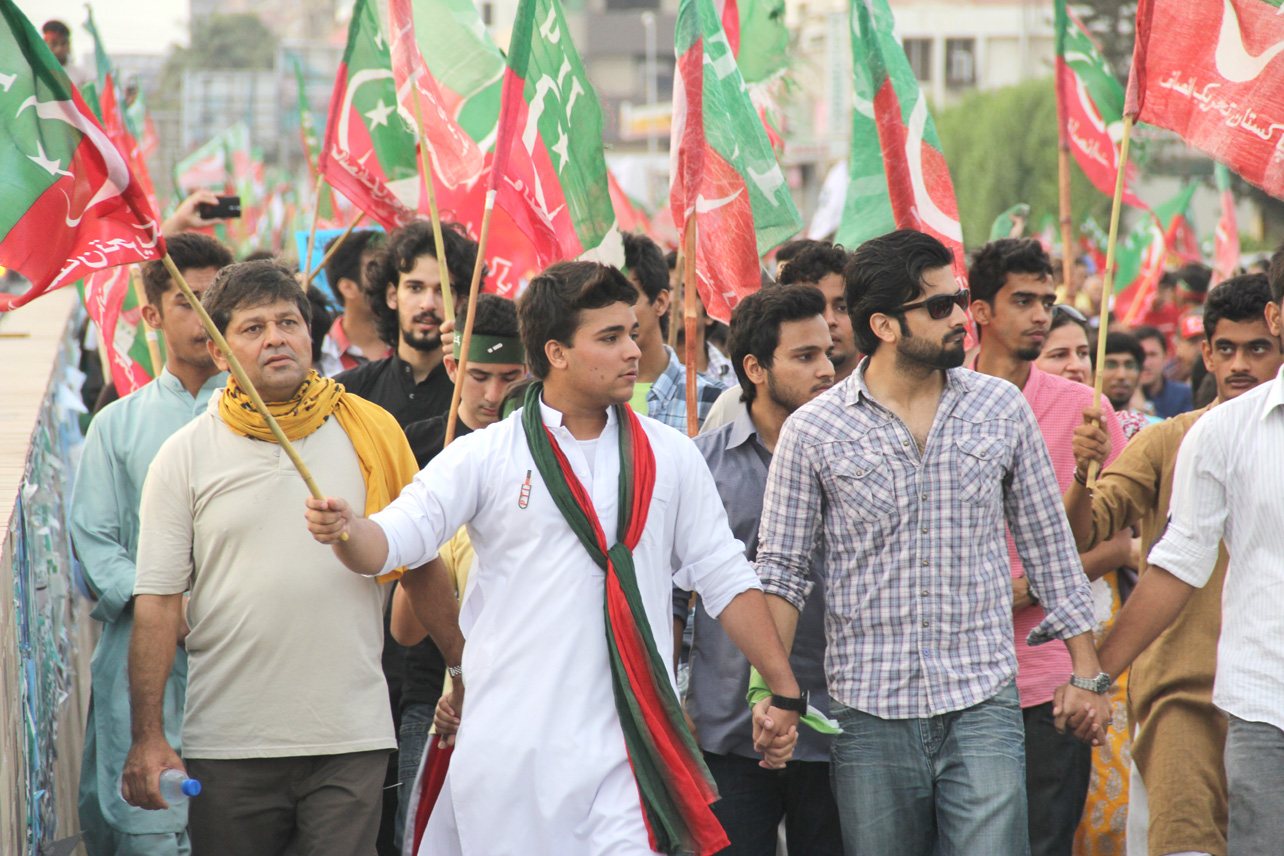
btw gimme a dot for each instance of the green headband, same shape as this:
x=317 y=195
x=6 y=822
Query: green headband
x=493 y=349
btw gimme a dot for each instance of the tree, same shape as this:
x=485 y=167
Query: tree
x=241 y=41
x=1001 y=147
x=1113 y=23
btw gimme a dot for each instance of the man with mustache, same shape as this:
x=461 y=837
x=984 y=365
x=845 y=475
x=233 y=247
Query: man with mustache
x=1012 y=299
x=779 y=340
x=908 y=471
x=122 y=441
x=287 y=723
x=404 y=283
x=1179 y=736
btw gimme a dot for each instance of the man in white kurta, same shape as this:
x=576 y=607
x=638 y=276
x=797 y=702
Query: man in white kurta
x=540 y=764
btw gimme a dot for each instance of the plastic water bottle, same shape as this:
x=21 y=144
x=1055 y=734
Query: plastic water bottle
x=175 y=787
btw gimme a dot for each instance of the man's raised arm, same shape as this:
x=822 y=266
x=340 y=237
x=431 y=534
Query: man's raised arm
x=366 y=549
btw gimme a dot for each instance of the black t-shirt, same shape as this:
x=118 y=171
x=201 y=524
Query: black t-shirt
x=425 y=669
x=390 y=383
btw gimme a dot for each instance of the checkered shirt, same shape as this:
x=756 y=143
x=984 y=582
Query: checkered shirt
x=667 y=399
x=919 y=598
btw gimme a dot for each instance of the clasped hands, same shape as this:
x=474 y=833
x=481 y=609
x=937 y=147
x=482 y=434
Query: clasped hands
x=775 y=734
x=1083 y=713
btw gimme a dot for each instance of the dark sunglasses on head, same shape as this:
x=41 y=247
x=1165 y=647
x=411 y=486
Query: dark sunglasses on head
x=1074 y=314
x=941 y=305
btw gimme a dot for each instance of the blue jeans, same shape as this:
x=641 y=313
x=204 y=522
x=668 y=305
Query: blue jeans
x=948 y=785
x=1255 y=776
x=1057 y=770
x=754 y=800
x=416 y=719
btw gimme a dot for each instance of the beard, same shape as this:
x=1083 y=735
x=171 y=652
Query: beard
x=423 y=341
x=786 y=398
x=948 y=354
x=1029 y=355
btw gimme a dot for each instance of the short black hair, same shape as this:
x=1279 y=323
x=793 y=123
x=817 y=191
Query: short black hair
x=1121 y=343
x=1276 y=274
x=644 y=257
x=188 y=251
x=992 y=262
x=814 y=263
x=58 y=28
x=789 y=250
x=346 y=261
x=755 y=327
x=1240 y=298
x=398 y=256
x=494 y=316
x=249 y=284
x=319 y=321
x=1145 y=332
x=549 y=309
x=885 y=273
x=258 y=255
x=1196 y=276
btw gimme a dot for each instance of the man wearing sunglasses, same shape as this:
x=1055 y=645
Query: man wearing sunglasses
x=908 y=471
x=1013 y=299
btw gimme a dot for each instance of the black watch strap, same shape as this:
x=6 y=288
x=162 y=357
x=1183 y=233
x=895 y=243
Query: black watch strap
x=798 y=705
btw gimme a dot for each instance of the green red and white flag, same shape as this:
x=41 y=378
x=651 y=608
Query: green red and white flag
x=72 y=205
x=1092 y=243
x=1141 y=259
x=110 y=303
x=629 y=213
x=1211 y=72
x=213 y=165
x=328 y=213
x=1011 y=223
x=141 y=125
x=454 y=157
x=1226 y=236
x=722 y=169
x=549 y=168
x=369 y=153
x=1090 y=105
x=898 y=178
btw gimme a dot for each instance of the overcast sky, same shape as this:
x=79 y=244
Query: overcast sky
x=126 y=26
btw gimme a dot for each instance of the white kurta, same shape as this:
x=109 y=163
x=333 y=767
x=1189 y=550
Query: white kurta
x=540 y=765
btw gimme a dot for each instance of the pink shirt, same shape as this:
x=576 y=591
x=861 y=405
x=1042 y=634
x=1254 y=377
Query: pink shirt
x=1058 y=407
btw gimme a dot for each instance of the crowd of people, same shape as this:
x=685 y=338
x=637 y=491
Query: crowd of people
x=890 y=536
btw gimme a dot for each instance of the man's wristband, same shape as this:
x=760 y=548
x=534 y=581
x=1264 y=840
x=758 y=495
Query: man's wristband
x=1082 y=480
x=797 y=705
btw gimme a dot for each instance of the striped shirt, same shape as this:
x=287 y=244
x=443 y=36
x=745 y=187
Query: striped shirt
x=1227 y=487
x=919 y=599
x=667 y=399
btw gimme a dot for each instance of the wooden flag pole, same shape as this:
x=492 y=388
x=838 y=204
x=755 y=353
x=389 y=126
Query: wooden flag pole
x=1108 y=285
x=689 y=321
x=461 y=366
x=338 y=242
x=447 y=299
x=676 y=298
x=312 y=234
x=153 y=346
x=244 y=382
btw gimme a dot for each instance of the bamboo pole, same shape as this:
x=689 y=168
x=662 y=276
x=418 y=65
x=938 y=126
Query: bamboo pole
x=312 y=234
x=244 y=381
x=689 y=321
x=153 y=345
x=675 y=299
x=447 y=299
x=334 y=246
x=461 y=367
x=1108 y=285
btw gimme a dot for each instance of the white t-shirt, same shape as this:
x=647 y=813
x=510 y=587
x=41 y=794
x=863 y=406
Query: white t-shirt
x=284 y=651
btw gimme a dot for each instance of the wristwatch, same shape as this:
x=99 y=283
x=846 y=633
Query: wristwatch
x=1099 y=685
x=798 y=705
x=455 y=671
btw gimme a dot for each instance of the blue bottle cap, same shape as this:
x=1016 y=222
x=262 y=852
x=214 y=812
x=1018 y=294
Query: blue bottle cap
x=191 y=787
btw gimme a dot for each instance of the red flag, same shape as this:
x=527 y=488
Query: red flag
x=1226 y=237
x=105 y=293
x=1211 y=71
x=628 y=214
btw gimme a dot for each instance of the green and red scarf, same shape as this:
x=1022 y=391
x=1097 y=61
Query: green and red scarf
x=674 y=785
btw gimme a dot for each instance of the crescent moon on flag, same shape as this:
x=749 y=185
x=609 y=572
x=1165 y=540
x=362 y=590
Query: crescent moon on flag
x=928 y=210
x=117 y=171
x=1234 y=62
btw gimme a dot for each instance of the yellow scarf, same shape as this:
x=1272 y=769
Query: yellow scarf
x=387 y=464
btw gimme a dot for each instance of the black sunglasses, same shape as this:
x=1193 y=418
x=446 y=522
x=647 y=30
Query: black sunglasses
x=1074 y=314
x=941 y=305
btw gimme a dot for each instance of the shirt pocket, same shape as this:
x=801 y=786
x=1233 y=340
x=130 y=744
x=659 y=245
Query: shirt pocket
x=980 y=468
x=865 y=484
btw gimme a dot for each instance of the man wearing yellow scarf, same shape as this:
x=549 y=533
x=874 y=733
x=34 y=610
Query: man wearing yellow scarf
x=286 y=723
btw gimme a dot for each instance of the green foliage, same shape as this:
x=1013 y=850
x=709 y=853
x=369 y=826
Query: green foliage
x=1001 y=147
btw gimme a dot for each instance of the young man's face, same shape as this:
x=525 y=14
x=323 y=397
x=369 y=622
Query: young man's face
x=1018 y=320
x=843 y=355
x=601 y=363
x=185 y=336
x=1065 y=353
x=483 y=390
x=800 y=368
x=1185 y=352
x=353 y=291
x=273 y=345
x=1120 y=374
x=59 y=46
x=934 y=342
x=419 y=305
x=1241 y=355
x=649 y=313
x=1152 y=370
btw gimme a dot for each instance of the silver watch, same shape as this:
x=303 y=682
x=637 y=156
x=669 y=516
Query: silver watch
x=455 y=671
x=1099 y=685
